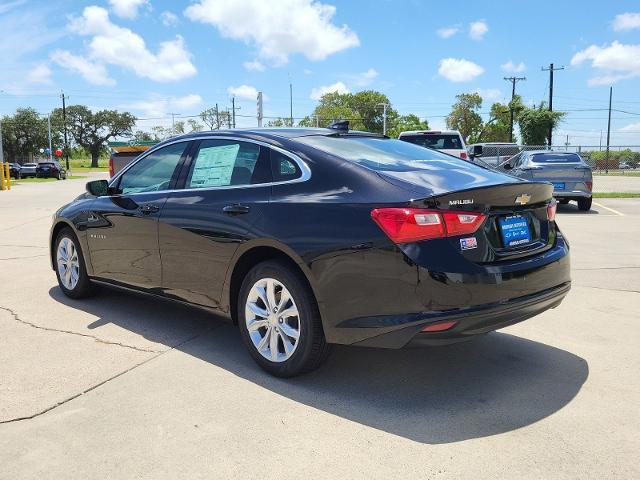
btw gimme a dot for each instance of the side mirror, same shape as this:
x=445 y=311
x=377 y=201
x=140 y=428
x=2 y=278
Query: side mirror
x=477 y=150
x=98 y=188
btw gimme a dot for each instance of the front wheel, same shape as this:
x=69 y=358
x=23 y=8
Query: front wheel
x=279 y=320
x=70 y=266
x=584 y=204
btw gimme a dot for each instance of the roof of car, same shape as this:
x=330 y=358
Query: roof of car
x=274 y=132
x=416 y=132
x=538 y=152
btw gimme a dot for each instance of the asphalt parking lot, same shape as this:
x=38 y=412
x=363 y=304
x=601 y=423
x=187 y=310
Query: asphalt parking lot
x=120 y=386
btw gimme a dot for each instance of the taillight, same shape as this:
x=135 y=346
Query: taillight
x=403 y=225
x=551 y=210
x=439 y=327
x=463 y=155
x=589 y=185
x=111 y=167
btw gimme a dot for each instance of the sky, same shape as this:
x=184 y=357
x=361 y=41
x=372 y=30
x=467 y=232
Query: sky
x=155 y=58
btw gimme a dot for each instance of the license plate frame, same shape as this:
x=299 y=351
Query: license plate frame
x=559 y=185
x=514 y=230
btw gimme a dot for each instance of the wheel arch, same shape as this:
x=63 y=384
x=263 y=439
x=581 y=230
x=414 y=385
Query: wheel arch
x=61 y=223
x=249 y=255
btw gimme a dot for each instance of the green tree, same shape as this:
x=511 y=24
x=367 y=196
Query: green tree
x=215 y=119
x=23 y=134
x=464 y=116
x=279 y=122
x=369 y=105
x=91 y=130
x=534 y=124
x=140 y=136
x=404 y=123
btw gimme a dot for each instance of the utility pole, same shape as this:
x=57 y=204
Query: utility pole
x=317 y=121
x=217 y=118
x=290 y=102
x=513 y=81
x=600 y=149
x=551 y=69
x=259 y=109
x=608 y=130
x=49 y=126
x=173 y=121
x=234 y=108
x=1 y=149
x=384 y=116
x=64 y=124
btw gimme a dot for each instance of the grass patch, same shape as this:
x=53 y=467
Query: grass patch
x=615 y=195
x=617 y=173
x=43 y=180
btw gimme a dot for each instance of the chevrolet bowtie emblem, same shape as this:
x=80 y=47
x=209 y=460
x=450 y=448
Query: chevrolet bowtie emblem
x=523 y=199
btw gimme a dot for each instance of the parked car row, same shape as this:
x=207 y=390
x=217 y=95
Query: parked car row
x=570 y=175
x=46 y=169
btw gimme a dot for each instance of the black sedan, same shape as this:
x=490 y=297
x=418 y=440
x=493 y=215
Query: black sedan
x=51 y=169
x=14 y=171
x=310 y=237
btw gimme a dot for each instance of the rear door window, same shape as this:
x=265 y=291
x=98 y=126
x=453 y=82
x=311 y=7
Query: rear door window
x=556 y=158
x=225 y=163
x=439 y=141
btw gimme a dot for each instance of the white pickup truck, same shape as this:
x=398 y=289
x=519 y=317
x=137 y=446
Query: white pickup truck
x=447 y=141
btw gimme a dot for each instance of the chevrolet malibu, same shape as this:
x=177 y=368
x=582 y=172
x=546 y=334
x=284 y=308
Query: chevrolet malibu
x=312 y=237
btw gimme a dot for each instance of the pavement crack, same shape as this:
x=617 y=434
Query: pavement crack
x=23 y=258
x=611 y=289
x=158 y=353
x=606 y=268
x=70 y=332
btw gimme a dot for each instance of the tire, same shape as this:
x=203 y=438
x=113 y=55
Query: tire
x=82 y=287
x=310 y=349
x=59 y=177
x=584 y=204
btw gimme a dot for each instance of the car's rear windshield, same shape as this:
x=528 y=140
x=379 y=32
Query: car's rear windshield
x=384 y=154
x=555 y=158
x=440 y=141
x=50 y=164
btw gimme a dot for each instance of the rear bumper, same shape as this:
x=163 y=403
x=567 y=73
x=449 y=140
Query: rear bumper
x=573 y=195
x=471 y=321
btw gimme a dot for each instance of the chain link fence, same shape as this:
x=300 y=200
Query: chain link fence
x=621 y=159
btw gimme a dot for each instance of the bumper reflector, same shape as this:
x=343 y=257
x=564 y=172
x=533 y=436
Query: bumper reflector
x=439 y=327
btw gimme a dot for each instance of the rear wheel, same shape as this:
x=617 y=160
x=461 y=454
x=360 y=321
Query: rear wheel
x=70 y=266
x=279 y=320
x=584 y=204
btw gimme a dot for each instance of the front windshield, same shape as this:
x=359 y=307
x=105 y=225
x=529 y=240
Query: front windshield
x=384 y=154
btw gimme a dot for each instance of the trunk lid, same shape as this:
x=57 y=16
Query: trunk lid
x=516 y=223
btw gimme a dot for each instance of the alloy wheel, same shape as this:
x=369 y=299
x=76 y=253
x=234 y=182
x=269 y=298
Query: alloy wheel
x=68 y=263
x=272 y=320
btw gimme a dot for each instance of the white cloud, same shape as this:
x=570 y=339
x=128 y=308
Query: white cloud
x=511 y=67
x=155 y=106
x=277 y=29
x=626 y=21
x=254 y=66
x=92 y=72
x=40 y=74
x=338 y=87
x=365 y=78
x=246 y=92
x=127 y=8
x=632 y=127
x=615 y=62
x=490 y=94
x=169 y=19
x=115 y=45
x=459 y=69
x=478 y=29
x=306 y=71
x=447 y=32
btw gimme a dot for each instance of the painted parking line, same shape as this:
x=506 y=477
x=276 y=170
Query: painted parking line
x=609 y=208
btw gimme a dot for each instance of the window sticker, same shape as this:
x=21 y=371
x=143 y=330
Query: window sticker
x=214 y=166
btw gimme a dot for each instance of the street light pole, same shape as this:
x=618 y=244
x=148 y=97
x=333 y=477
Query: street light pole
x=384 y=116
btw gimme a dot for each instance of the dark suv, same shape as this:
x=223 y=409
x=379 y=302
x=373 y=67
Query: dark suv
x=51 y=169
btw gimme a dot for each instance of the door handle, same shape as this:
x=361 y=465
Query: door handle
x=236 y=209
x=147 y=209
